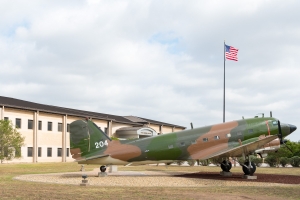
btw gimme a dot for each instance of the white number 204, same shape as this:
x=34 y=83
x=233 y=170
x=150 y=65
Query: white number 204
x=101 y=144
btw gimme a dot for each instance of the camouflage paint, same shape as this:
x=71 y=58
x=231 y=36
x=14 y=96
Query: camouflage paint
x=90 y=145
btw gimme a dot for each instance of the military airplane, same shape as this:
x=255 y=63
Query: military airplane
x=90 y=145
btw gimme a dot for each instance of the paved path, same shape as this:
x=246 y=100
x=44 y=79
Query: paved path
x=137 y=179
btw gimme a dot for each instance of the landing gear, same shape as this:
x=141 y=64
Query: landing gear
x=249 y=169
x=226 y=166
x=102 y=168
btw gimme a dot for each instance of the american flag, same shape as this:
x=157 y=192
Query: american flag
x=231 y=53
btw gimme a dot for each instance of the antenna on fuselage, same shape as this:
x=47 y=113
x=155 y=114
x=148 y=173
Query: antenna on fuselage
x=270 y=113
x=262 y=115
x=192 y=126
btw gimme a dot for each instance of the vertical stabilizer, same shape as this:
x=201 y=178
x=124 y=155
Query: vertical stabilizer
x=86 y=138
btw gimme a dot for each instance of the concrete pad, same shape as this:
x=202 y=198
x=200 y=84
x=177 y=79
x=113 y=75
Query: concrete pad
x=113 y=168
x=222 y=173
x=84 y=182
x=102 y=174
x=249 y=177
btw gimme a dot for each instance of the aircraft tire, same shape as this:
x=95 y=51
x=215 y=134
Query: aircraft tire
x=102 y=168
x=226 y=166
x=250 y=171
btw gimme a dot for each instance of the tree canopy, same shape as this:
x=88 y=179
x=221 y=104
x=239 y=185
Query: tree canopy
x=11 y=141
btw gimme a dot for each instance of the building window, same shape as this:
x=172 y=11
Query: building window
x=40 y=125
x=58 y=152
x=68 y=153
x=59 y=127
x=49 y=126
x=18 y=123
x=30 y=124
x=40 y=152
x=6 y=118
x=29 y=151
x=205 y=139
x=49 y=152
x=217 y=137
x=68 y=127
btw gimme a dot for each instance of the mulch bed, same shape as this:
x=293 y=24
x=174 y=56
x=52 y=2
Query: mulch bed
x=269 y=178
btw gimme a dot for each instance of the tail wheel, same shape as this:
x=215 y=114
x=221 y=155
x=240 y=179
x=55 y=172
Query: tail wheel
x=249 y=170
x=226 y=166
x=102 y=168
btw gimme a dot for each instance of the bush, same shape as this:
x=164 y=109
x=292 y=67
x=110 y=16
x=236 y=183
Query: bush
x=271 y=160
x=284 y=161
x=204 y=162
x=180 y=162
x=215 y=161
x=191 y=162
x=295 y=161
x=241 y=160
x=257 y=161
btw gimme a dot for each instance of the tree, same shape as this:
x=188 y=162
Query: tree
x=271 y=160
x=295 y=161
x=284 y=161
x=10 y=141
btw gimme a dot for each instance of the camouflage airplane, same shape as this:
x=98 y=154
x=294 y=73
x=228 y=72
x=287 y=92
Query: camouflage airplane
x=90 y=145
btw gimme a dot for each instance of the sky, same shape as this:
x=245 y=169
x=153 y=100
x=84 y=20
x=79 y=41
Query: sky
x=161 y=60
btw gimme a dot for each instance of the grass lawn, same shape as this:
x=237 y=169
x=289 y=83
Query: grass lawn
x=14 y=189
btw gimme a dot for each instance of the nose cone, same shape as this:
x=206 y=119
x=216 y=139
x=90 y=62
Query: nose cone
x=292 y=128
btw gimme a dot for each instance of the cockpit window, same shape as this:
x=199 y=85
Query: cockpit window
x=275 y=123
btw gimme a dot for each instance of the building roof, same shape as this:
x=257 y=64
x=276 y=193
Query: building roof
x=27 y=105
x=160 y=123
x=136 y=119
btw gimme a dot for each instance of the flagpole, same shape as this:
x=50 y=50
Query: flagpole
x=224 y=87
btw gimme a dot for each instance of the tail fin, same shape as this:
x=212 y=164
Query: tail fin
x=86 y=138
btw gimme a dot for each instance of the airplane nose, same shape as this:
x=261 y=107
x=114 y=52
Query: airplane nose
x=292 y=128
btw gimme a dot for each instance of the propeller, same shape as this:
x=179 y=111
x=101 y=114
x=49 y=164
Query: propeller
x=280 y=136
x=280 y=133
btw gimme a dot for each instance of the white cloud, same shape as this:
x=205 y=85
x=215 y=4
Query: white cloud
x=156 y=59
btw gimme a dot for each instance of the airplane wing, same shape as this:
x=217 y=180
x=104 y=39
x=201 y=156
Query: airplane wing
x=238 y=151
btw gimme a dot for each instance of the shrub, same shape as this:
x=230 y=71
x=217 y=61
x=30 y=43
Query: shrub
x=180 y=162
x=295 y=161
x=284 y=161
x=257 y=161
x=271 y=160
x=241 y=160
x=215 y=161
x=191 y=162
x=204 y=162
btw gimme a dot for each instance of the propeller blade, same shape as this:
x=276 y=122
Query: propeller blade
x=280 y=133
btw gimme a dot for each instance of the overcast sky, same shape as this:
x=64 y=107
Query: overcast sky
x=159 y=59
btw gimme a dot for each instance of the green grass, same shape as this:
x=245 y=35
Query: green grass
x=14 y=189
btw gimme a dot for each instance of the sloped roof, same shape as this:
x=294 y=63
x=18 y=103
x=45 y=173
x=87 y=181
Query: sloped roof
x=27 y=105
x=135 y=119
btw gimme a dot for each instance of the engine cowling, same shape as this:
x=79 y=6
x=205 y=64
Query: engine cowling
x=272 y=146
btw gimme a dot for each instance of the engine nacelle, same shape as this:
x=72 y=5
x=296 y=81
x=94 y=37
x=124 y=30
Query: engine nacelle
x=272 y=146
